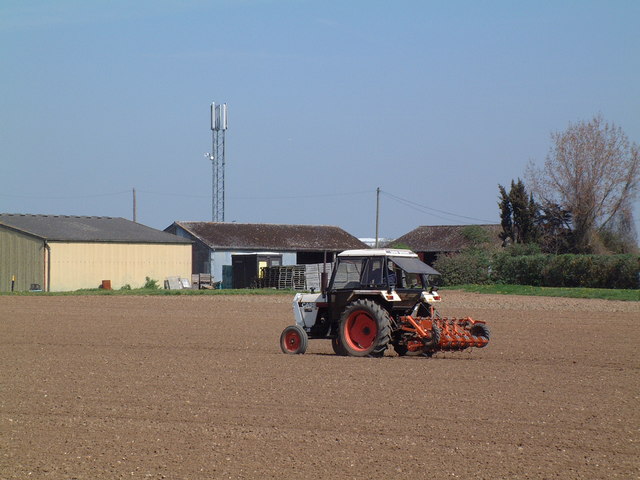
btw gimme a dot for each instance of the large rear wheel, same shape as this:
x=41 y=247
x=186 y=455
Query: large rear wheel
x=365 y=329
x=294 y=340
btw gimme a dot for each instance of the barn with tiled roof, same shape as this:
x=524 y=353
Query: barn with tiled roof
x=429 y=241
x=216 y=243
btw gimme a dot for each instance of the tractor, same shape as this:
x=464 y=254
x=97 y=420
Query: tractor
x=376 y=298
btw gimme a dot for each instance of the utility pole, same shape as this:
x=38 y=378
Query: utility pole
x=377 y=213
x=134 y=206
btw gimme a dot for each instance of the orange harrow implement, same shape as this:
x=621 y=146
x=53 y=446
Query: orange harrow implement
x=429 y=335
x=458 y=334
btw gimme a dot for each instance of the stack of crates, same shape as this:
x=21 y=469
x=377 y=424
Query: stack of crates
x=289 y=277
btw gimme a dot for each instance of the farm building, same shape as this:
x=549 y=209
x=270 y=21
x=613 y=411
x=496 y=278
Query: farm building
x=64 y=253
x=430 y=241
x=233 y=252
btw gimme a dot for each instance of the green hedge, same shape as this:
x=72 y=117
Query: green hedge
x=464 y=268
x=586 y=271
x=519 y=270
x=591 y=271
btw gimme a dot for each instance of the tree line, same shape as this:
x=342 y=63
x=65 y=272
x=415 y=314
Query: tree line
x=573 y=227
x=581 y=200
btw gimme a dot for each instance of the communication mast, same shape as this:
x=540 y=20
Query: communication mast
x=217 y=157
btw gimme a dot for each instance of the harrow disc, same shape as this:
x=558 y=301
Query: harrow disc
x=460 y=334
x=481 y=333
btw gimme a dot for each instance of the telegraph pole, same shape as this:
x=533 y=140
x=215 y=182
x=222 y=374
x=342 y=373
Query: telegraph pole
x=377 y=213
x=134 y=205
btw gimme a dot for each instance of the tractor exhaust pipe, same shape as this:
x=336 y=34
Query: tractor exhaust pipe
x=323 y=275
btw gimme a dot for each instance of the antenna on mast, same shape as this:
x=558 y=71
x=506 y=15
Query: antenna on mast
x=217 y=157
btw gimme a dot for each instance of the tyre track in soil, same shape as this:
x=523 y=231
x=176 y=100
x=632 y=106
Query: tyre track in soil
x=195 y=387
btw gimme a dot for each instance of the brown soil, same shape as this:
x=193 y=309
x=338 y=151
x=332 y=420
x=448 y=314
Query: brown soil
x=197 y=388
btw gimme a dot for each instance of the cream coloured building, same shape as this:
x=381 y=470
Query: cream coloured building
x=65 y=253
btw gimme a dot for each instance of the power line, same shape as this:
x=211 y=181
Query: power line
x=187 y=195
x=316 y=195
x=264 y=197
x=65 y=197
x=173 y=194
x=429 y=210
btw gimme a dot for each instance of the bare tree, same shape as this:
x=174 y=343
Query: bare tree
x=592 y=171
x=619 y=235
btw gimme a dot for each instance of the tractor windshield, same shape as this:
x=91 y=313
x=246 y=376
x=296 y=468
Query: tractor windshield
x=409 y=273
x=414 y=265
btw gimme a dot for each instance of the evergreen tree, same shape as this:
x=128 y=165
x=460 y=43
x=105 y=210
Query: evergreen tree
x=505 y=216
x=520 y=207
x=518 y=214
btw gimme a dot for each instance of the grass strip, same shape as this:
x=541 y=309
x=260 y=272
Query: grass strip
x=156 y=291
x=599 y=293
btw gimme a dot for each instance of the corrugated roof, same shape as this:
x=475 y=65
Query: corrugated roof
x=444 y=238
x=69 y=228
x=265 y=236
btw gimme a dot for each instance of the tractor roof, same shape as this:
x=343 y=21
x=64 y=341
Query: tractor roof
x=378 y=252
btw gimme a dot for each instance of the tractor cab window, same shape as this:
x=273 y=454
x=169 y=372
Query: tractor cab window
x=348 y=273
x=360 y=272
x=395 y=275
x=373 y=273
x=412 y=280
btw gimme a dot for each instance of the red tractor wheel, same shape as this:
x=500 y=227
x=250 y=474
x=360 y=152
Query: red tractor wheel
x=364 y=329
x=294 y=340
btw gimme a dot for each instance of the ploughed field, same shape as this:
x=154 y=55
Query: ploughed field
x=196 y=387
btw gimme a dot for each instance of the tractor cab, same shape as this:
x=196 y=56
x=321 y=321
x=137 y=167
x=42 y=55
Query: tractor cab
x=396 y=278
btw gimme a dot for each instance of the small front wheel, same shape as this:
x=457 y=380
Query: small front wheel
x=294 y=340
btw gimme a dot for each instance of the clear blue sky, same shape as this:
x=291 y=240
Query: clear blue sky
x=436 y=103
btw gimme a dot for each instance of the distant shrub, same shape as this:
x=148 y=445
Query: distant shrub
x=518 y=249
x=586 y=271
x=464 y=268
x=399 y=245
x=592 y=271
x=151 y=284
x=476 y=235
x=575 y=271
x=126 y=287
x=623 y=271
x=519 y=270
x=561 y=271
